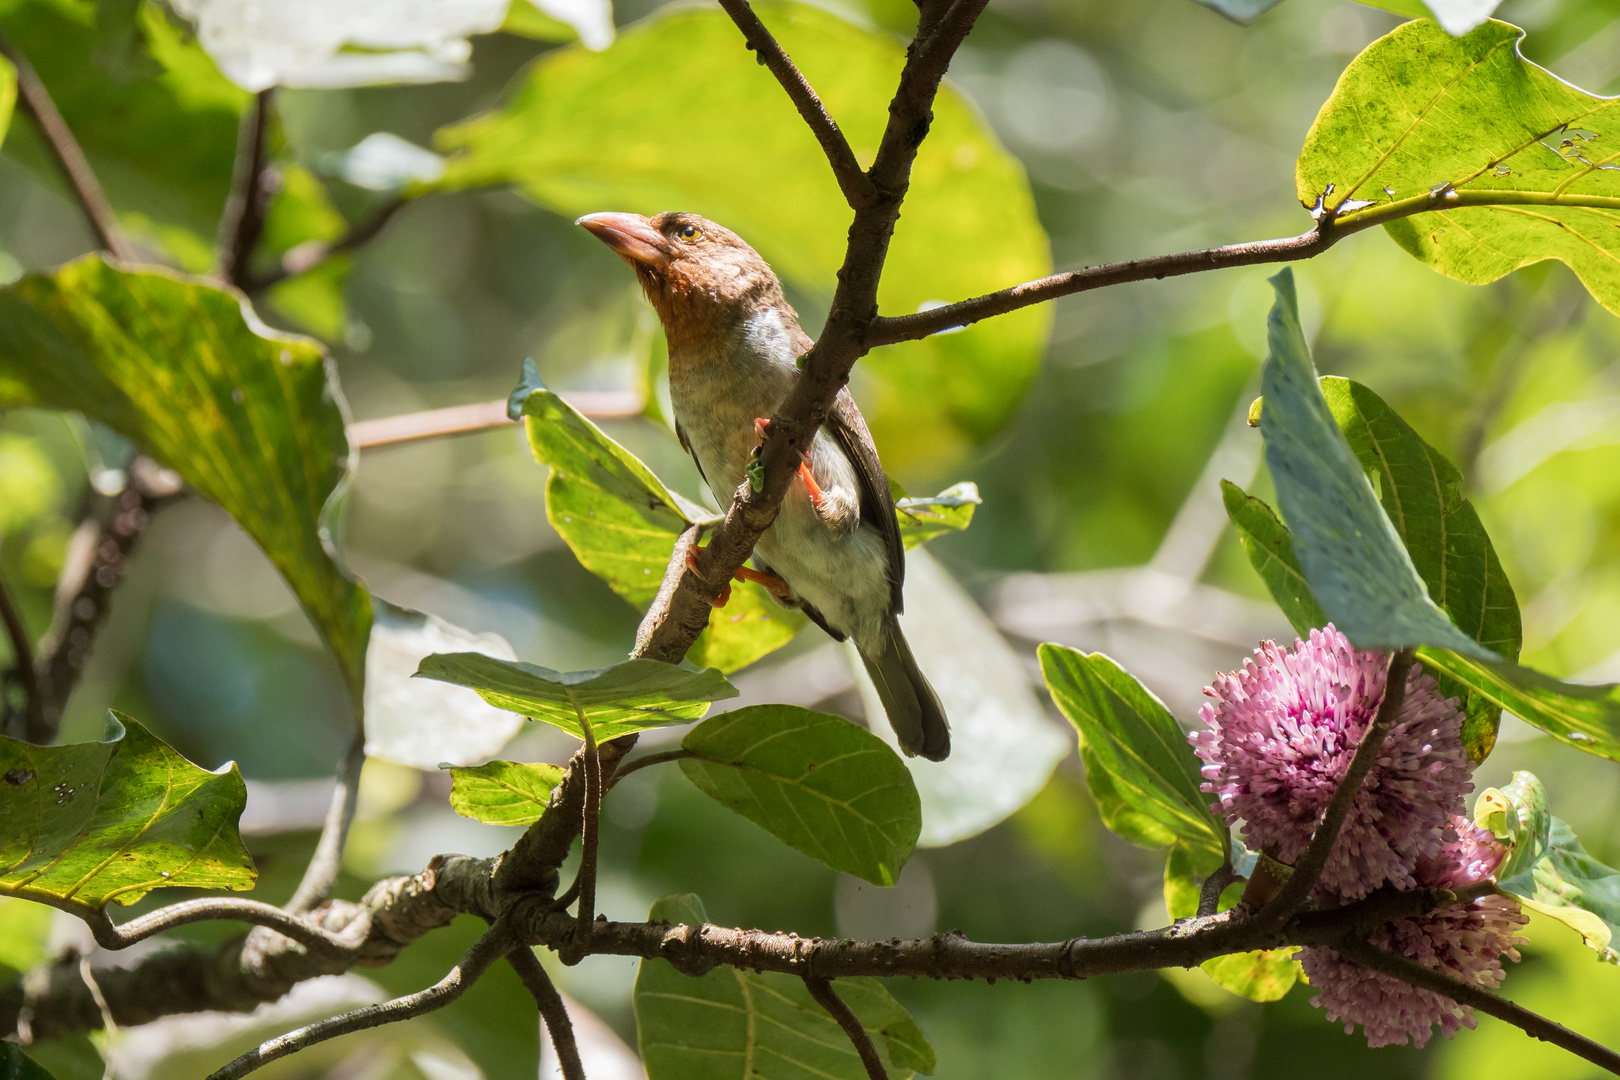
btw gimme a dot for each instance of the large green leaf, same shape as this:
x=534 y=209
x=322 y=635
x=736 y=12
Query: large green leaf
x=503 y=792
x=627 y=697
x=1270 y=548
x=1547 y=869
x=1421 y=118
x=1140 y=768
x=1422 y=493
x=8 y=95
x=819 y=783
x=750 y=1025
x=622 y=523
x=16 y=1065
x=1358 y=569
x=90 y=823
x=585 y=131
x=252 y=419
x=1585 y=717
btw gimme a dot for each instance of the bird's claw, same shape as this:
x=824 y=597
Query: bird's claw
x=691 y=564
x=772 y=584
x=810 y=486
x=760 y=424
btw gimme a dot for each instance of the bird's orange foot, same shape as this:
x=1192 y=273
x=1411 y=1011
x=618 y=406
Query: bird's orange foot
x=810 y=485
x=691 y=564
x=773 y=584
x=760 y=424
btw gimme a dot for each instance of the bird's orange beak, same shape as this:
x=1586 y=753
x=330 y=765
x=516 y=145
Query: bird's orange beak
x=631 y=237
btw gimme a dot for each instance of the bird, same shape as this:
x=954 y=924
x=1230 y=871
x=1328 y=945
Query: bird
x=834 y=550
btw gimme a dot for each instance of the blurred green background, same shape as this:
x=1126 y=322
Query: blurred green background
x=1144 y=127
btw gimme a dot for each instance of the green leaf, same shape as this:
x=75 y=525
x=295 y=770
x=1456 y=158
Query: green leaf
x=583 y=131
x=1422 y=493
x=1547 y=868
x=1357 y=567
x=1421 y=118
x=1241 y=11
x=818 y=783
x=1140 y=768
x=1585 y=717
x=1412 y=9
x=503 y=792
x=523 y=19
x=922 y=519
x=8 y=95
x=632 y=696
x=16 y=1065
x=1270 y=548
x=252 y=419
x=121 y=48
x=761 y=1025
x=90 y=823
x=621 y=522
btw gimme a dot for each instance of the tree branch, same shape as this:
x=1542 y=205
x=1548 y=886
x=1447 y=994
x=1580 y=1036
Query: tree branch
x=852 y=181
x=65 y=148
x=245 y=209
x=482 y=416
x=553 y=1010
x=495 y=943
x=576 y=949
x=822 y=990
x=643 y=762
x=1297 y=889
x=22 y=660
x=110 y=935
x=321 y=873
x=1477 y=997
x=305 y=257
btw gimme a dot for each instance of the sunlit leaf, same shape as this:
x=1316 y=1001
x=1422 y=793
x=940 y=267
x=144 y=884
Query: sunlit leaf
x=922 y=519
x=252 y=419
x=121 y=48
x=632 y=696
x=16 y=1065
x=1139 y=765
x=423 y=723
x=733 y=1024
x=1357 y=567
x=586 y=131
x=1270 y=549
x=816 y=782
x=1422 y=493
x=1585 y=717
x=1547 y=868
x=503 y=792
x=1422 y=118
x=8 y=95
x=90 y=823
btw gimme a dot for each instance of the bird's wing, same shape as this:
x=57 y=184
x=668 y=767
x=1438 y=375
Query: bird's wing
x=848 y=427
x=687 y=446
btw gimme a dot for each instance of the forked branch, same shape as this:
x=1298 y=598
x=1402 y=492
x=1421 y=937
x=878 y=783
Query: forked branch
x=822 y=990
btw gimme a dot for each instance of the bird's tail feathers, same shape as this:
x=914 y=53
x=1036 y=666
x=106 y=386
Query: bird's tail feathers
x=913 y=708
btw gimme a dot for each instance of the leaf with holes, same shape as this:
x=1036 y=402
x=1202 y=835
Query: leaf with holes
x=750 y=1025
x=1139 y=765
x=90 y=823
x=503 y=792
x=1357 y=567
x=251 y=418
x=627 y=697
x=816 y=782
x=1517 y=165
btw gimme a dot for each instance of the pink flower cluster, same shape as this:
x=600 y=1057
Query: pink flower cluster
x=1279 y=736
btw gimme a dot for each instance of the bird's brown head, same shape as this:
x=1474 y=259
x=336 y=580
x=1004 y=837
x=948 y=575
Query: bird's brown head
x=703 y=279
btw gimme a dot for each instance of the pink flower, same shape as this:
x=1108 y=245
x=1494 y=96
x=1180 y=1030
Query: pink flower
x=1465 y=941
x=1280 y=735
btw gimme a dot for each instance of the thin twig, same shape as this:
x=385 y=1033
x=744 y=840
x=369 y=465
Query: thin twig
x=1308 y=868
x=586 y=881
x=643 y=762
x=822 y=990
x=495 y=943
x=305 y=257
x=852 y=181
x=22 y=659
x=553 y=1010
x=110 y=935
x=249 y=201
x=322 y=872
x=1477 y=997
x=482 y=416
x=65 y=148
x=1209 y=897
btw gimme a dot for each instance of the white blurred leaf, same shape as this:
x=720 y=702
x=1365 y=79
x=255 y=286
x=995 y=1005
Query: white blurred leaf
x=322 y=44
x=592 y=20
x=382 y=161
x=1003 y=747
x=422 y=722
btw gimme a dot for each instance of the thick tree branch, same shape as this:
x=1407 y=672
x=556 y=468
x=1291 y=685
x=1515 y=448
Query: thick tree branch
x=110 y=935
x=822 y=990
x=577 y=948
x=495 y=944
x=75 y=166
x=1477 y=997
x=857 y=188
x=251 y=191
x=553 y=1010
x=1297 y=889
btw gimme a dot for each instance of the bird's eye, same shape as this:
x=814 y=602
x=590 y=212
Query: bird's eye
x=690 y=233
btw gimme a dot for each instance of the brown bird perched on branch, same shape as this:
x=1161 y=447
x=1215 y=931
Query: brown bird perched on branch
x=834 y=550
